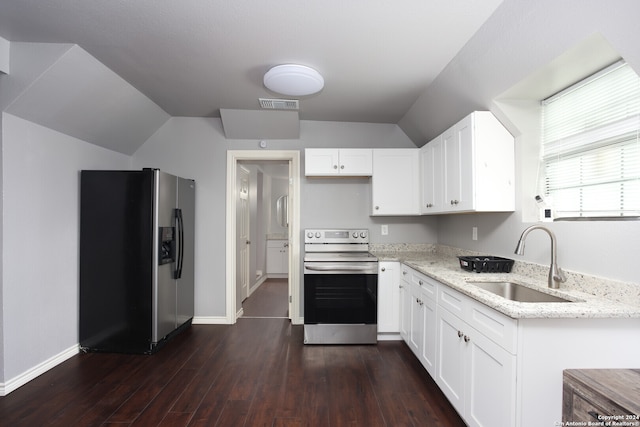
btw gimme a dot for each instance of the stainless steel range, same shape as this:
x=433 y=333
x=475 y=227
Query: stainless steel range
x=340 y=287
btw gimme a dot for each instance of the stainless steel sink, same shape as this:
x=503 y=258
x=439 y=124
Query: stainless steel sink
x=515 y=292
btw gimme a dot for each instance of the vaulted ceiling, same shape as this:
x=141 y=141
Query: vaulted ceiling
x=194 y=57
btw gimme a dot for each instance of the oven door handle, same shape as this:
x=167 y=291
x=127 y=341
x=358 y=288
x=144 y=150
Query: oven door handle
x=338 y=267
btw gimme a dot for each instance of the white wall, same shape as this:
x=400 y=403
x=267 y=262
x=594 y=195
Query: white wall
x=40 y=173
x=196 y=148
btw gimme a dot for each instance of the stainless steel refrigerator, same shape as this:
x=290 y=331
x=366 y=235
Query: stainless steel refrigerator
x=136 y=259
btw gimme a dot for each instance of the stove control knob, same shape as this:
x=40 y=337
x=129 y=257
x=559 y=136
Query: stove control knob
x=318 y=234
x=309 y=234
x=355 y=234
x=363 y=234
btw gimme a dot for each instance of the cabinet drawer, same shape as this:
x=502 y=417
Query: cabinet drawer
x=428 y=285
x=452 y=300
x=496 y=326
x=405 y=273
x=583 y=410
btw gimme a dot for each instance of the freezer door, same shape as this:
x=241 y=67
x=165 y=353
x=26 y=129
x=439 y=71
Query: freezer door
x=186 y=236
x=164 y=292
x=116 y=270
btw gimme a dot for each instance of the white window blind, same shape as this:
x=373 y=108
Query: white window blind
x=591 y=146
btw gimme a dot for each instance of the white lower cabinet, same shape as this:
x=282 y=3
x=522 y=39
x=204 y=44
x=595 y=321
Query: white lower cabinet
x=277 y=257
x=405 y=302
x=503 y=372
x=418 y=316
x=427 y=354
x=468 y=348
x=388 y=297
x=477 y=376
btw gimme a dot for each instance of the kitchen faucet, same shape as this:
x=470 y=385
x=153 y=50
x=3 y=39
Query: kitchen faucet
x=556 y=275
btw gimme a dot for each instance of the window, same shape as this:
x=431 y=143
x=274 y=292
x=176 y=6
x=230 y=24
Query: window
x=591 y=146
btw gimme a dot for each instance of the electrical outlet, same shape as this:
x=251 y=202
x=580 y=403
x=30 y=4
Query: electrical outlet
x=384 y=229
x=474 y=233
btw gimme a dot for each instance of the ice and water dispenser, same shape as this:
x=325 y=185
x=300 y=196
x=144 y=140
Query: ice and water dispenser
x=167 y=252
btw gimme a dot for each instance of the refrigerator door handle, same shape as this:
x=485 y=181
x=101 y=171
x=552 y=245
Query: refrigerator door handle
x=177 y=274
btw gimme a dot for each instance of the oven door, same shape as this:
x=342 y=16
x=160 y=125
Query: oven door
x=340 y=293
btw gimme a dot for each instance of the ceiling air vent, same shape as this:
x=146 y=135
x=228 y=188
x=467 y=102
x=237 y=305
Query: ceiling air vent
x=279 y=104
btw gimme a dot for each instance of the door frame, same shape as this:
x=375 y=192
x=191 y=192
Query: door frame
x=293 y=157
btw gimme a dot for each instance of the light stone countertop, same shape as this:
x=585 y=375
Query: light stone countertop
x=591 y=297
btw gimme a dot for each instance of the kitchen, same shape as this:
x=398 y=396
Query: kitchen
x=39 y=306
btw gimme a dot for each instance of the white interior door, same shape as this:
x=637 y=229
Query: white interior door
x=242 y=233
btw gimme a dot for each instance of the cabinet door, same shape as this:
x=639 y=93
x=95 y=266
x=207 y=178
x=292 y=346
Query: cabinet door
x=491 y=383
x=395 y=182
x=465 y=134
x=429 y=336
x=388 y=297
x=458 y=152
x=432 y=177
x=416 y=321
x=451 y=160
x=357 y=162
x=405 y=304
x=321 y=162
x=277 y=257
x=450 y=367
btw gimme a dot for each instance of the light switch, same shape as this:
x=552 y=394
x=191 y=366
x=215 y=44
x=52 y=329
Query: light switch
x=384 y=229
x=474 y=233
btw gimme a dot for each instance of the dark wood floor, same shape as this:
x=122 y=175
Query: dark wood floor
x=269 y=300
x=254 y=373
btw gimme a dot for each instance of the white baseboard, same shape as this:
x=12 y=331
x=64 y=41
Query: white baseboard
x=389 y=336
x=256 y=285
x=210 y=320
x=20 y=380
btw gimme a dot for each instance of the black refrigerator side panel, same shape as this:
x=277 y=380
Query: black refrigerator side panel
x=116 y=238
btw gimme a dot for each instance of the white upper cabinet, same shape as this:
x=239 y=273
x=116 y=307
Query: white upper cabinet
x=477 y=160
x=432 y=177
x=395 y=182
x=333 y=161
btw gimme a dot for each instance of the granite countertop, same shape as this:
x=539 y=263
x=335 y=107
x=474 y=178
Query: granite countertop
x=591 y=297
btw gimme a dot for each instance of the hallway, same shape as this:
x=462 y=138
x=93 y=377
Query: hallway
x=269 y=300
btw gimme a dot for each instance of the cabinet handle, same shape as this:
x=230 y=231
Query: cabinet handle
x=460 y=334
x=377 y=207
x=400 y=286
x=382 y=269
x=420 y=282
x=454 y=202
x=335 y=166
x=466 y=338
x=341 y=166
x=404 y=272
x=429 y=205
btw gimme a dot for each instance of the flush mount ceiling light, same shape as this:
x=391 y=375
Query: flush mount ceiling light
x=293 y=80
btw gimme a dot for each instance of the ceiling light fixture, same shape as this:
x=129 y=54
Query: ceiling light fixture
x=293 y=80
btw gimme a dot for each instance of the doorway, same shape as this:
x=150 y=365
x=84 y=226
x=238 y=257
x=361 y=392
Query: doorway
x=266 y=292
x=237 y=159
